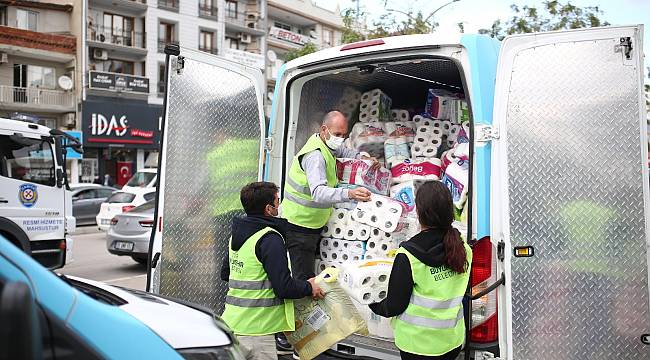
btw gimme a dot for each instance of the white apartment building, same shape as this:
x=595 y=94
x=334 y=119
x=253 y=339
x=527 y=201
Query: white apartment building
x=124 y=68
x=294 y=23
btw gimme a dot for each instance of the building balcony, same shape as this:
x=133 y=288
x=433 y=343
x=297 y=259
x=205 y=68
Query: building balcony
x=162 y=43
x=129 y=42
x=134 y=7
x=171 y=5
x=208 y=12
x=48 y=47
x=212 y=50
x=35 y=99
x=243 y=22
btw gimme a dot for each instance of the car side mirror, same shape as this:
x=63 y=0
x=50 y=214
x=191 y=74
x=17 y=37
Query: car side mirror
x=20 y=333
x=59 y=178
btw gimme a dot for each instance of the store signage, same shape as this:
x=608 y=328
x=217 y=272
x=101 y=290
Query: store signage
x=244 y=57
x=289 y=36
x=118 y=82
x=119 y=123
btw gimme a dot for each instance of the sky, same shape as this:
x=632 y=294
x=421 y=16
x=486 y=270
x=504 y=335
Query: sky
x=477 y=14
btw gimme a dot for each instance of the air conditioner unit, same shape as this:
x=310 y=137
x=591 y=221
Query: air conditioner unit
x=245 y=38
x=251 y=24
x=100 y=54
x=4 y=58
x=252 y=15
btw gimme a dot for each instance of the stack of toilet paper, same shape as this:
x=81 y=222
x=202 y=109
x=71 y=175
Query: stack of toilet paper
x=366 y=281
x=429 y=136
x=400 y=115
x=335 y=252
x=397 y=147
x=418 y=169
x=360 y=172
x=369 y=137
x=377 y=326
x=439 y=103
x=456 y=179
x=349 y=102
x=400 y=129
x=380 y=244
x=341 y=226
x=380 y=212
x=375 y=105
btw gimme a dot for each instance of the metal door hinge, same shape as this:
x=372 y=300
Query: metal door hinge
x=485 y=133
x=501 y=250
x=624 y=46
x=179 y=65
x=268 y=144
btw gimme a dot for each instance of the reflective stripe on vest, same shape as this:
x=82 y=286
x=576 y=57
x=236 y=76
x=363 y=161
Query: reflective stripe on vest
x=252 y=307
x=298 y=205
x=432 y=323
x=435 y=304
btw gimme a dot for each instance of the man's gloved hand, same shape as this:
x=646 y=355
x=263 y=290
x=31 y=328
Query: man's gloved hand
x=359 y=194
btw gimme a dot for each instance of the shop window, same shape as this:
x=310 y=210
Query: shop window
x=27 y=159
x=26 y=19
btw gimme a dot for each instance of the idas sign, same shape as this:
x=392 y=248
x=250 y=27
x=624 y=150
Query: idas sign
x=121 y=123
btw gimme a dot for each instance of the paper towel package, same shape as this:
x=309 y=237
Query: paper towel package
x=360 y=172
x=439 y=103
x=396 y=150
x=425 y=169
x=369 y=137
x=406 y=192
x=456 y=179
x=381 y=212
x=322 y=323
x=375 y=105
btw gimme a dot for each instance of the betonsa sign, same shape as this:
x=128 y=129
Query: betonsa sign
x=121 y=123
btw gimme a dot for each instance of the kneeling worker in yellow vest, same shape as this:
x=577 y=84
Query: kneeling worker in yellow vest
x=428 y=281
x=260 y=285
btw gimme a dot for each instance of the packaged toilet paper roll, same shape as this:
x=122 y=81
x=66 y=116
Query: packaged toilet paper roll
x=381 y=212
x=400 y=115
x=461 y=151
x=396 y=151
x=365 y=280
x=338 y=230
x=360 y=172
x=429 y=169
x=456 y=179
x=327 y=230
x=405 y=192
x=439 y=103
x=400 y=129
x=369 y=137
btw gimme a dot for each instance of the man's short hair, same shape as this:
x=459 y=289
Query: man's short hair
x=255 y=196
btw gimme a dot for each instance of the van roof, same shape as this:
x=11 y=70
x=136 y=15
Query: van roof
x=23 y=126
x=389 y=43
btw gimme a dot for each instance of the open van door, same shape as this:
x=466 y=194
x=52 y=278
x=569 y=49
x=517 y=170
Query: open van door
x=570 y=195
x=211 y=147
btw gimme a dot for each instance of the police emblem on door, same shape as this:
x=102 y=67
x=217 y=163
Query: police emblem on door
x=28 y=195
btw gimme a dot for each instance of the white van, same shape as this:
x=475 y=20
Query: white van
x=143 y=178
x=558 y=146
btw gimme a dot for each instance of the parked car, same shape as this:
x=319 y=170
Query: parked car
x=143 y=178
x=87 y=199
x=130 y=231
x=121 y=202
x=72 y=318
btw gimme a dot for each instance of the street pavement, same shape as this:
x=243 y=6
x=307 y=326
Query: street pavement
x=93 y=261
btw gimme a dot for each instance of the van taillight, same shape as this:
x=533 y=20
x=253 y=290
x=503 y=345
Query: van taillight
x=114 y=221
x=127 y=208
x=484 y=310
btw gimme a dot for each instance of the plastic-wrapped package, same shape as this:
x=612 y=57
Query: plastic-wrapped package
x=369 y=137
x=360 y=172
x=456 y=179
x=375 y=105
x=439 y=103
x=366 y=281
x=322 y=323
x=381 y=212
x=418 y=169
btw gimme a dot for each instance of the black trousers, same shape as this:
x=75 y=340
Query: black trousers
x=302 y=253
x=452 y=355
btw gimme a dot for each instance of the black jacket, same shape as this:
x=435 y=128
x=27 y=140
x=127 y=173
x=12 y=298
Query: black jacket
x=271 y=252
x=427 y=247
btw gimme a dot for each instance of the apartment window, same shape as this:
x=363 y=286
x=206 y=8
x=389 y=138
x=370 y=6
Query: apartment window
x=3 y=15
x=120 y=29
x=26 y=19
x=161 y=79
x=116 y=66
x=34 y=76
x=232 y=43
x=328 y=38
x=231 y=9
x=206 y=41
x=166 y=35
x=207 y=8
x=281 y=25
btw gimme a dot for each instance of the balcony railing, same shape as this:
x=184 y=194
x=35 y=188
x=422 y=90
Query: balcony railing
x=168 y=4
x=212 y=50
x=208 y=11
x=242 y=19
x=117 y=37
x=162 y=43
x=36 y=96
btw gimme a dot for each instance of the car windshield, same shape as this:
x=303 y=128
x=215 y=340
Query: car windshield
x=146 y=207
x=141 y=179
x=121 y=197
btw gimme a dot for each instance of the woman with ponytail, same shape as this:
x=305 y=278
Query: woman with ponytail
x=428 y=281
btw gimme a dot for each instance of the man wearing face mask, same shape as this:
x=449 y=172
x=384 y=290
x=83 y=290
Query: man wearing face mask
x=310 y=190
x=260 y=285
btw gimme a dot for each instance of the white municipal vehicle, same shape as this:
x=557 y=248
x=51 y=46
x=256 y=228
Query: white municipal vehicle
x=35 y=205
x=558 y=176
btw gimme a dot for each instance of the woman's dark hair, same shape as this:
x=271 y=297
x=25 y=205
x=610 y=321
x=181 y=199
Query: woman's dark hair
x=435 y=209
x=255 y=196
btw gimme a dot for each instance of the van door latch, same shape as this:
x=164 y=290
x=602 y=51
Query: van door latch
x=179 y=65
x=268 y=144
x=485 y=133
x=624 y=46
